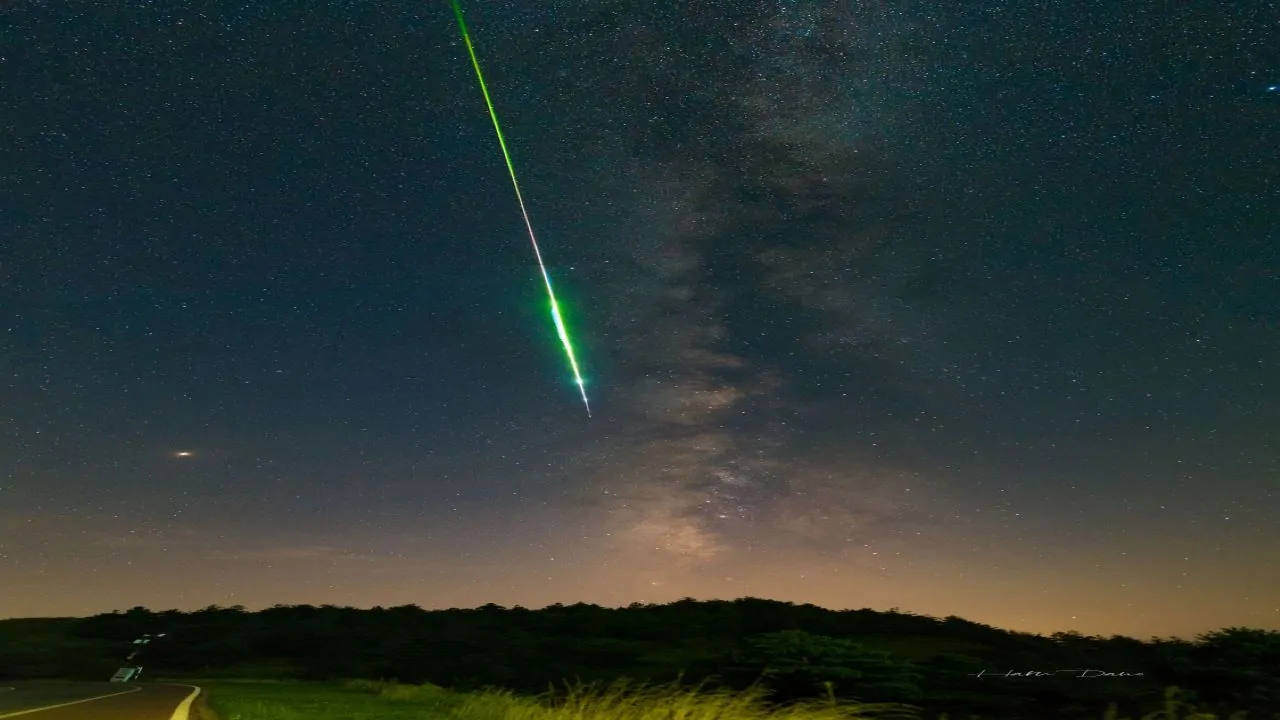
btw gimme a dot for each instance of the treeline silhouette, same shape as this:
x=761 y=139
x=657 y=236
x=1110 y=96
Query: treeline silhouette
x=940 y=665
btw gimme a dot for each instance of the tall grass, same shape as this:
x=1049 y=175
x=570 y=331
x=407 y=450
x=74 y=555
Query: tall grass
x=623 y=700
x=1173 y=708
x=376 y=700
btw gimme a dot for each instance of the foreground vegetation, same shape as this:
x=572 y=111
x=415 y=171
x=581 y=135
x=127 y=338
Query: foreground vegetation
x=371 y=700
x=796 y=653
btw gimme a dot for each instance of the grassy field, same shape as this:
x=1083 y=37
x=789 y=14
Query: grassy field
x=365 y=700
x=368 y=700
x=312 y=701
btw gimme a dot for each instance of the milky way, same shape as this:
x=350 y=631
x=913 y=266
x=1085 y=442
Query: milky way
x=965 y=311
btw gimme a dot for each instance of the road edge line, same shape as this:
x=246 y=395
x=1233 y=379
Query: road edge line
x=73 y=702
x=183 y=711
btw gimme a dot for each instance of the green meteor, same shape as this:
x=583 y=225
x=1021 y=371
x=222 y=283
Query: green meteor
x=502 y=143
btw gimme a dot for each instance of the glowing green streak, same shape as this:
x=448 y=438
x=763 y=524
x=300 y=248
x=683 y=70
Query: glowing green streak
x=502 y=142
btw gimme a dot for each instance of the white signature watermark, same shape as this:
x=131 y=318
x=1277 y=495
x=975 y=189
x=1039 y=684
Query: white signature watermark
x=1078 y=672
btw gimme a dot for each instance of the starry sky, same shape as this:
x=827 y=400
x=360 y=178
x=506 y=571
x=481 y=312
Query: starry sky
x=963 y=309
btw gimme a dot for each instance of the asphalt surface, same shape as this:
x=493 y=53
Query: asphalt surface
x=19 y=695
x=92 y=701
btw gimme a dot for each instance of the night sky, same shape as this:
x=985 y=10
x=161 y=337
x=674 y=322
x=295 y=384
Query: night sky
x=958 y=308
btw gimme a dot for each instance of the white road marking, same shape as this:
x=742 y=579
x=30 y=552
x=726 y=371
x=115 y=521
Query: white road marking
x=183 y=710
x=73 y=702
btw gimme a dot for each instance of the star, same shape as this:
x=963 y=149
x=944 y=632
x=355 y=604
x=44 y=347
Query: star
x=847 y=277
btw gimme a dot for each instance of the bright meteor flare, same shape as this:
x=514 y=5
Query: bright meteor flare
x=546 y=277
x=502 y=142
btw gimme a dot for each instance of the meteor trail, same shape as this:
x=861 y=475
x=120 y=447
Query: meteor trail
x=546 y=277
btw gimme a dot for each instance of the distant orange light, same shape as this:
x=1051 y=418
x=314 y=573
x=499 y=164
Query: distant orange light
x=184 y=453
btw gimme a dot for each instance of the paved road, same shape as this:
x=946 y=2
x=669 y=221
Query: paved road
x=112 y=701
x=20 y=695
